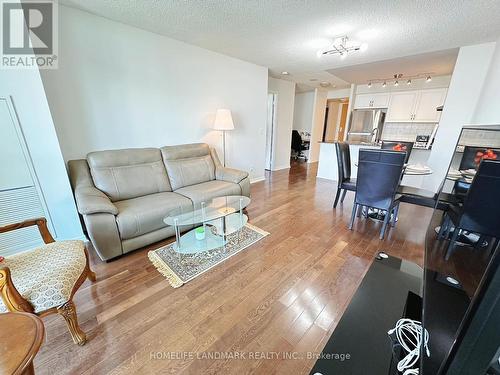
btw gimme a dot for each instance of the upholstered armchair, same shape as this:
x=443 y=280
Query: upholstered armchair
x=43 y=281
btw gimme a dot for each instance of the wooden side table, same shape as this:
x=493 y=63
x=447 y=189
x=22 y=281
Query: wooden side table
x=21 y=335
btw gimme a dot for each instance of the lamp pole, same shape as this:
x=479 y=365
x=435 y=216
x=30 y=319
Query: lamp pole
x=224 y=148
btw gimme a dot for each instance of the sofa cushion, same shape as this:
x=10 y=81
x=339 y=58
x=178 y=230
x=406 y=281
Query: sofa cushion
x=208 y=190
x=45 y=276
x=188 y=164
x=145 y=214
x=128 y=173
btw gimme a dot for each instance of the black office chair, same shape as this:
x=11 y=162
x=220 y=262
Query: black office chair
x=345 y=182
x=398 y=146
x=480 y=210
x=298 y=145
x=379 y=174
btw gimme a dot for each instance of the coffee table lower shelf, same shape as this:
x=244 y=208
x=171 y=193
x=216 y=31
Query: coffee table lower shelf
x=215 y=234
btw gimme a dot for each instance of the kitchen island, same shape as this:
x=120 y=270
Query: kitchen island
x=327 y=167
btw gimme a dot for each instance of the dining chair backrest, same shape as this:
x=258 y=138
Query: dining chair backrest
x=481 y=209
x=343 y=161
x=379 y=174
x=472 y=156
x=398 y=146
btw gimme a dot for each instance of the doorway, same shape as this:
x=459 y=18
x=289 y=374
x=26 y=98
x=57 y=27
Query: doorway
x=335 y=120
x=270 y=129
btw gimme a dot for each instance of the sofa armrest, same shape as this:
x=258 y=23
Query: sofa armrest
x=90 y=200
x=230 y=174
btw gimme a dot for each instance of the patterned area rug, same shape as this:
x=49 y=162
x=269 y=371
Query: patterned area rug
x=181 y=268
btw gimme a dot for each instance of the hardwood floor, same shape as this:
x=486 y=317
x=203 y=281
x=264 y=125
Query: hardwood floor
x=286 y=293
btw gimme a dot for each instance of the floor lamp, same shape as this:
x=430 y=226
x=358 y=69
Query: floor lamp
x=223 y=122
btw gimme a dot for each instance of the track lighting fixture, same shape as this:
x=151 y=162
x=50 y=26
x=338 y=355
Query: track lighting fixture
x=397 y=78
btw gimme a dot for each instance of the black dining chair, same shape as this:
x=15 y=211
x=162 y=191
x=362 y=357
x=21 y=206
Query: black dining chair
x=398 y=146
x=344 y=182
x=471 y=158
x=480 y=210
x=379 y=174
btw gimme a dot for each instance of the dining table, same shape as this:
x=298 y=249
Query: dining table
x=408 y=170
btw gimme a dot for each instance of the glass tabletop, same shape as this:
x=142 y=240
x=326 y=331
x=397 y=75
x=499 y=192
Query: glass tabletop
x=207 y=210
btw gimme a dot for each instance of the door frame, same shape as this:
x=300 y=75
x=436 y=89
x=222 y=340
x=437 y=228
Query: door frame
x=271 y=132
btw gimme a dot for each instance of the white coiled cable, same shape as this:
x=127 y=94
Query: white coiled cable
x=409 y=335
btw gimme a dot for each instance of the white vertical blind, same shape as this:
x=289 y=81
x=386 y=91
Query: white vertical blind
x=19 y=196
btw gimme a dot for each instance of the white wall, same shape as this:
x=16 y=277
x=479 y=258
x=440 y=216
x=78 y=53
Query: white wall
x=26 y=89
x=319 y=110
x=285 y=91
x=118 y=86
x=339 y=93
x=303 y=111
x=470 y=73
x=488 y=108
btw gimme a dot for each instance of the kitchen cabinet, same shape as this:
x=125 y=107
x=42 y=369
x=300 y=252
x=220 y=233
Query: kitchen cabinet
x=375 y=100
x=415 y=106
x=401 y=106
x=428 y=101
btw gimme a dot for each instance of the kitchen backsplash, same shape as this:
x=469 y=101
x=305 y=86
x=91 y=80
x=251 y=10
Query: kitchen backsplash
x=480 y=138
x=404 y=131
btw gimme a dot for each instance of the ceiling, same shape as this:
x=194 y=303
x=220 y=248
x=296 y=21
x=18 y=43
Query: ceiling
x=284 y=35
x=438 y=63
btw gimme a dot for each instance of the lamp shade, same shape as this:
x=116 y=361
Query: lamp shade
x=223 y=120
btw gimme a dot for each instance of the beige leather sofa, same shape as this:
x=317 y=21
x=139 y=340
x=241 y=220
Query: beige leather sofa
x=123 y=195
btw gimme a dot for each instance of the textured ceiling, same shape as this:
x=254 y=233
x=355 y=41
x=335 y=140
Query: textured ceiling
x=285 y=35
x=439 y=63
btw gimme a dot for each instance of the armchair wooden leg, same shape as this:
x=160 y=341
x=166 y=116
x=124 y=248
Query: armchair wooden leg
x=68 y=312
x=91 y=275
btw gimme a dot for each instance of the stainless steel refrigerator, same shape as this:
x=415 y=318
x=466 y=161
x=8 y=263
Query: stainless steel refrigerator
x=366 y=125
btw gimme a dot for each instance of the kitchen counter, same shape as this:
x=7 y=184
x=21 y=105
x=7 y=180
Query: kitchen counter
x=328 y=169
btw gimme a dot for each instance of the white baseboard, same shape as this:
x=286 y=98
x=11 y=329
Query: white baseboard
x=257 y=179
x=281 y=167
x=325 y=178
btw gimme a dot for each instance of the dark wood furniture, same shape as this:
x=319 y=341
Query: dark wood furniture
x=21 y=335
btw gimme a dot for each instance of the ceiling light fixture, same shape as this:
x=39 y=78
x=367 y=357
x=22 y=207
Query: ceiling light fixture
x=341 y=46
x=285 y=73
x=399 y=77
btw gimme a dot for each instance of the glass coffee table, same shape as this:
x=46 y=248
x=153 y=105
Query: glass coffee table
x=213 y=219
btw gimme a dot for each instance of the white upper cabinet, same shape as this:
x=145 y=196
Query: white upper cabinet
x=428 y=101
x=401 y=106
x=415 y=106
x=375 y=100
